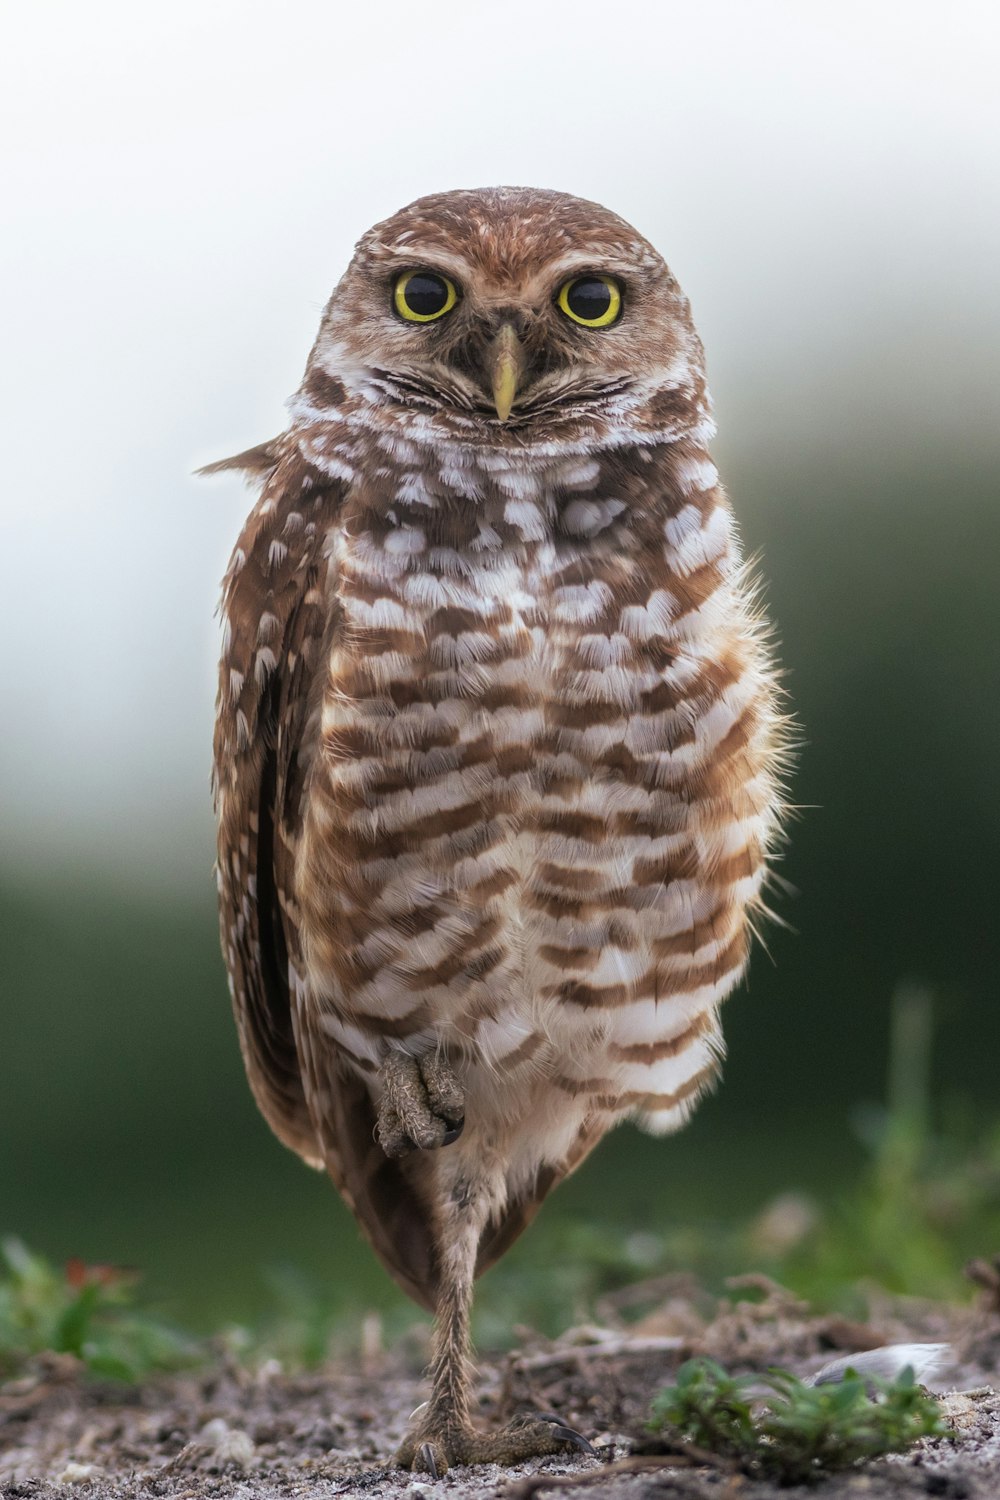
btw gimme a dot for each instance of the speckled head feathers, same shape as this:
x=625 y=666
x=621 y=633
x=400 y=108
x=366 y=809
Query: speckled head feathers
x=508 y=234
x=508 y=251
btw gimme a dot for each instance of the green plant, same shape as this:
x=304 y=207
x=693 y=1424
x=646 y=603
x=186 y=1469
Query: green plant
x=929 y=1198
x=86 y=1311
x=792 y=1432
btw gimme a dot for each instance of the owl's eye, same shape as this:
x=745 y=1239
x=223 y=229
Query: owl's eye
x=594 y=301
x=422 y=296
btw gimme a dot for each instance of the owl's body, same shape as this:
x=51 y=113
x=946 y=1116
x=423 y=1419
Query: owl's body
x=496 y=748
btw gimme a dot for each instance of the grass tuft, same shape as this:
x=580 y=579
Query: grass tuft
x=90 y=1312
x=794 y=1433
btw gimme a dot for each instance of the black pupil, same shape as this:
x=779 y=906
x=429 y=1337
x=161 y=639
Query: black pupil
x=588 y=298
x=425 y=295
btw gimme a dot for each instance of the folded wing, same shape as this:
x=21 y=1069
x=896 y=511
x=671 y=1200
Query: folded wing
x=280 y=621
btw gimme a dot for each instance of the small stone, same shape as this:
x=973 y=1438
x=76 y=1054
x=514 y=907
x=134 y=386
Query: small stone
x=75 y=1473
x=269 y=1370
x=227 y=1445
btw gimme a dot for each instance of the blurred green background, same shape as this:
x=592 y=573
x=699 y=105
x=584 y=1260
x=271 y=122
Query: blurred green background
x=128 y=1131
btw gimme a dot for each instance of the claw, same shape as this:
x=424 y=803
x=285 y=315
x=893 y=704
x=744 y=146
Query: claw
x=453 y=1132
x=567 y=1434
x=426 y=1454
x=575 y=1439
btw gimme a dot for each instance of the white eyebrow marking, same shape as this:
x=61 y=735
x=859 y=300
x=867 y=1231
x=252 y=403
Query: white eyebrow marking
x=431 y=258
x=601 y=261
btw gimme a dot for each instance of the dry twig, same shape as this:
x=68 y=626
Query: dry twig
x=613 y=1348
x=686 y=1457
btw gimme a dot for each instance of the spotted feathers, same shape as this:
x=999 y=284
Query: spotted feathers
x=498 y=745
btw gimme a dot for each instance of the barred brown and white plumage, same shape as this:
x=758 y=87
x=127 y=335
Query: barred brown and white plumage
x=498 y=743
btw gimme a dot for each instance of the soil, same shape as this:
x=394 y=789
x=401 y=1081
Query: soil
x=259 y=1434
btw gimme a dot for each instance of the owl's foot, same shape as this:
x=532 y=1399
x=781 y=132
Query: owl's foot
x=422 y=1104
x=434 y=1451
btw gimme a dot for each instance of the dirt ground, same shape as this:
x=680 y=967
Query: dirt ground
x=260 y=1434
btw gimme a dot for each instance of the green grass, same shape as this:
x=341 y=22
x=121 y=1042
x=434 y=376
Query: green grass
x=89 y=1312
x=792 y=1432
x=928 y=1199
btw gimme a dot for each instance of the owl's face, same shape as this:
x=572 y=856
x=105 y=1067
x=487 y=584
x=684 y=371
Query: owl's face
x=506 y=310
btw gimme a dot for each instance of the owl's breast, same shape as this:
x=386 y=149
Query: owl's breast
x=540 y=810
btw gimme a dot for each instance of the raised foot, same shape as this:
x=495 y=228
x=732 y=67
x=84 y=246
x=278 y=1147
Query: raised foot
x=422 y=1105
x=434 y=1452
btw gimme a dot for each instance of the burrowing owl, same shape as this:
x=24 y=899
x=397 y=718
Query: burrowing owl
x=497 y=742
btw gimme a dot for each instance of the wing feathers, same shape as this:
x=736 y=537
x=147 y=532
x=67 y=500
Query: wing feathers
x=253 y=461
x=280 y=619
x=263 y=610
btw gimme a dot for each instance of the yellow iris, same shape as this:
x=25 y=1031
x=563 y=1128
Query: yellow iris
x=593 y=301
x=424 y=296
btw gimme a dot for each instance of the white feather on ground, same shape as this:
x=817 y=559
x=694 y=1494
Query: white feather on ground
x=926 y=1360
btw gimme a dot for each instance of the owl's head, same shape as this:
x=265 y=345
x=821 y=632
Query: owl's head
x=513 y=314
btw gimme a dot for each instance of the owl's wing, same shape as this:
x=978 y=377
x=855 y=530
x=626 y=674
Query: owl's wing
x=265 y=607
x=278 y=631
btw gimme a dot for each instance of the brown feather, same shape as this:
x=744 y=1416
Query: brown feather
x=497 y=738
x=246 y=788
x=253 y=461
x=260 y=779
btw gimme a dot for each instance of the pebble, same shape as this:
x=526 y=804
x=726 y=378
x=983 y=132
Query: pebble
x=227 y=1445
x=75 y=1473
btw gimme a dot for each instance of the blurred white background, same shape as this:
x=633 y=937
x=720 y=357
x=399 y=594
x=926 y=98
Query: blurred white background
x=182 y=186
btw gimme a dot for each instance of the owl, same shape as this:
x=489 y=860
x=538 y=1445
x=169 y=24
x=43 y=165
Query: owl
x=498 y=747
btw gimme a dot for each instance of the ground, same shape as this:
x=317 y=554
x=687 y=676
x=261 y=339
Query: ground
x=259 y=1434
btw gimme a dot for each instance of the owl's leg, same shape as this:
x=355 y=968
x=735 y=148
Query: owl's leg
x=422 y=1104
x=442 y=1434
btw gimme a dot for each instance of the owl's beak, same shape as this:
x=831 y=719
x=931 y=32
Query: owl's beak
x=505 y=363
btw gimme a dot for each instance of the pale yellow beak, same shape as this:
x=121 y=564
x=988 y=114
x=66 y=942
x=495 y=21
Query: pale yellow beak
x=506 y=366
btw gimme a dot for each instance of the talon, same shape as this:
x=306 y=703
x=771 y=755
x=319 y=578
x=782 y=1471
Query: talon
x=453 y=1132
x=524 y=1437
x=567 y=1434
x=426 y=1455
x=575 y=1439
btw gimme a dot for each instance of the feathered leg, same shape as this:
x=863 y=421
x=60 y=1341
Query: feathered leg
x=443 y=1434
